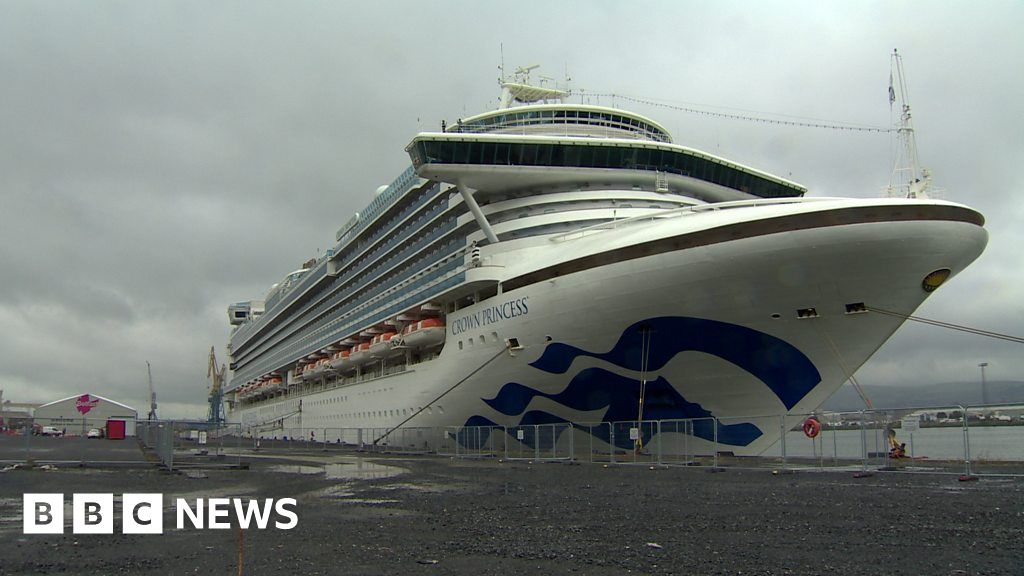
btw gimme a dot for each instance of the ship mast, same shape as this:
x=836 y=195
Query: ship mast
x=908 y=179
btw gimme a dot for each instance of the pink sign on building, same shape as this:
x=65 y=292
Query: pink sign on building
x=86 y=403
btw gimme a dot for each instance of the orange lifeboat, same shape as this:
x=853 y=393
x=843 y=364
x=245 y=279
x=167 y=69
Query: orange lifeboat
x=322 y=366
x=340 y=361
x=382 y=345
x=424 y=334
x=310 y=372
x=360 y=354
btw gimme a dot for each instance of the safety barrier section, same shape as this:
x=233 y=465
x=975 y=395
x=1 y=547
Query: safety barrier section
x=539 y=442
x=181 y=444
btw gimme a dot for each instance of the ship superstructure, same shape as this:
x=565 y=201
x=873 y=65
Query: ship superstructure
x=610 y=260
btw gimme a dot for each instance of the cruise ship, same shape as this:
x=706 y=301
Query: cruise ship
x=551 y=262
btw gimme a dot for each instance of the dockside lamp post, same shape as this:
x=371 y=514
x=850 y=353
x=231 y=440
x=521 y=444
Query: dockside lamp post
x=984 y=386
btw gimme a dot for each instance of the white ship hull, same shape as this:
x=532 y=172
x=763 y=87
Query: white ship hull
x=712 y=328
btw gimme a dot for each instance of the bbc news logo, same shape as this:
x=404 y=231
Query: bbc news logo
x=143 y=513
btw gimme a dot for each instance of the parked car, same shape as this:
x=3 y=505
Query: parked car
x=94 y=433
x=51 y=431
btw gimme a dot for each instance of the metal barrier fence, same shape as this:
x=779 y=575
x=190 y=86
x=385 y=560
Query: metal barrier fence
x=184 y=444
x=954 y=439
x=76 y=441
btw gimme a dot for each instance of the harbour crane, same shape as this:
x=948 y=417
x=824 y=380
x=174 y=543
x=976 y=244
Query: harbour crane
x=216 y=377
x=152 y=393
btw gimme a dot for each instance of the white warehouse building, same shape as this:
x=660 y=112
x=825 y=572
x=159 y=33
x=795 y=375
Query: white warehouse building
x=77 y=414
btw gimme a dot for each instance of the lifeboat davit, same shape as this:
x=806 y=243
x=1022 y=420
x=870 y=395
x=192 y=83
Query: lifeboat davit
x=382 y=346
x=340 y=360
x=424 y=334
x=360 y=354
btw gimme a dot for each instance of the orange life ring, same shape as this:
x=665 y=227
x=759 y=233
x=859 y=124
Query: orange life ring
x=812 y=428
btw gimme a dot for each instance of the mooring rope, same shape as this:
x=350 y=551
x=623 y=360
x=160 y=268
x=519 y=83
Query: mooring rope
x=842 y=366
x=951 y=326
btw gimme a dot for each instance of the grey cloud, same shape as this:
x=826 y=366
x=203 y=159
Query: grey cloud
x=161 y=160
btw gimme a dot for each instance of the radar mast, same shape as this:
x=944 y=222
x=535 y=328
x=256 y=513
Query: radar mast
x=522 y=90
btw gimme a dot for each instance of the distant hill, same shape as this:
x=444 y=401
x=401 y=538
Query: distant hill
x=945 y=394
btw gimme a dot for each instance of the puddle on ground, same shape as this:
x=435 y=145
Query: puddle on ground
x=361 y=470
x=431 y=488
x=335 y=491
x=296 y=469
x=354 y=469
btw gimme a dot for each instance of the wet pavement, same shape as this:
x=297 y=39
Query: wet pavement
x=69 y=450
x=433 y=515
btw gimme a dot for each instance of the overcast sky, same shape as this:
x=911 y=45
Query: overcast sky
x=160 y=160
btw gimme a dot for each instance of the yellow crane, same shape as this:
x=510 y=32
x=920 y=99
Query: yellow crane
x=216 y=376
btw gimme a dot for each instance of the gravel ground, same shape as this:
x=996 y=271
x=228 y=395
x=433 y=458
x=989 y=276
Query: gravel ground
x=439 y=516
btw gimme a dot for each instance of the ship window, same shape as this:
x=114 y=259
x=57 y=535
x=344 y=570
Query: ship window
x=586 y=156
x=482 y=340
x=501 y=152
x=529 y=154
x=487 y=152
x=615 y=156
x=515 y=154
x=557 y=156
x=643 y=156
x=544 y=155
x=460 y=344
x=573 y=154
x=461 y=155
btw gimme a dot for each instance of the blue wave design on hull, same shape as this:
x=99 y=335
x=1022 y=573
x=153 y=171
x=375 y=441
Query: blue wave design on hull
x=782 y=367
x=786 y=371
x=596 y=388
